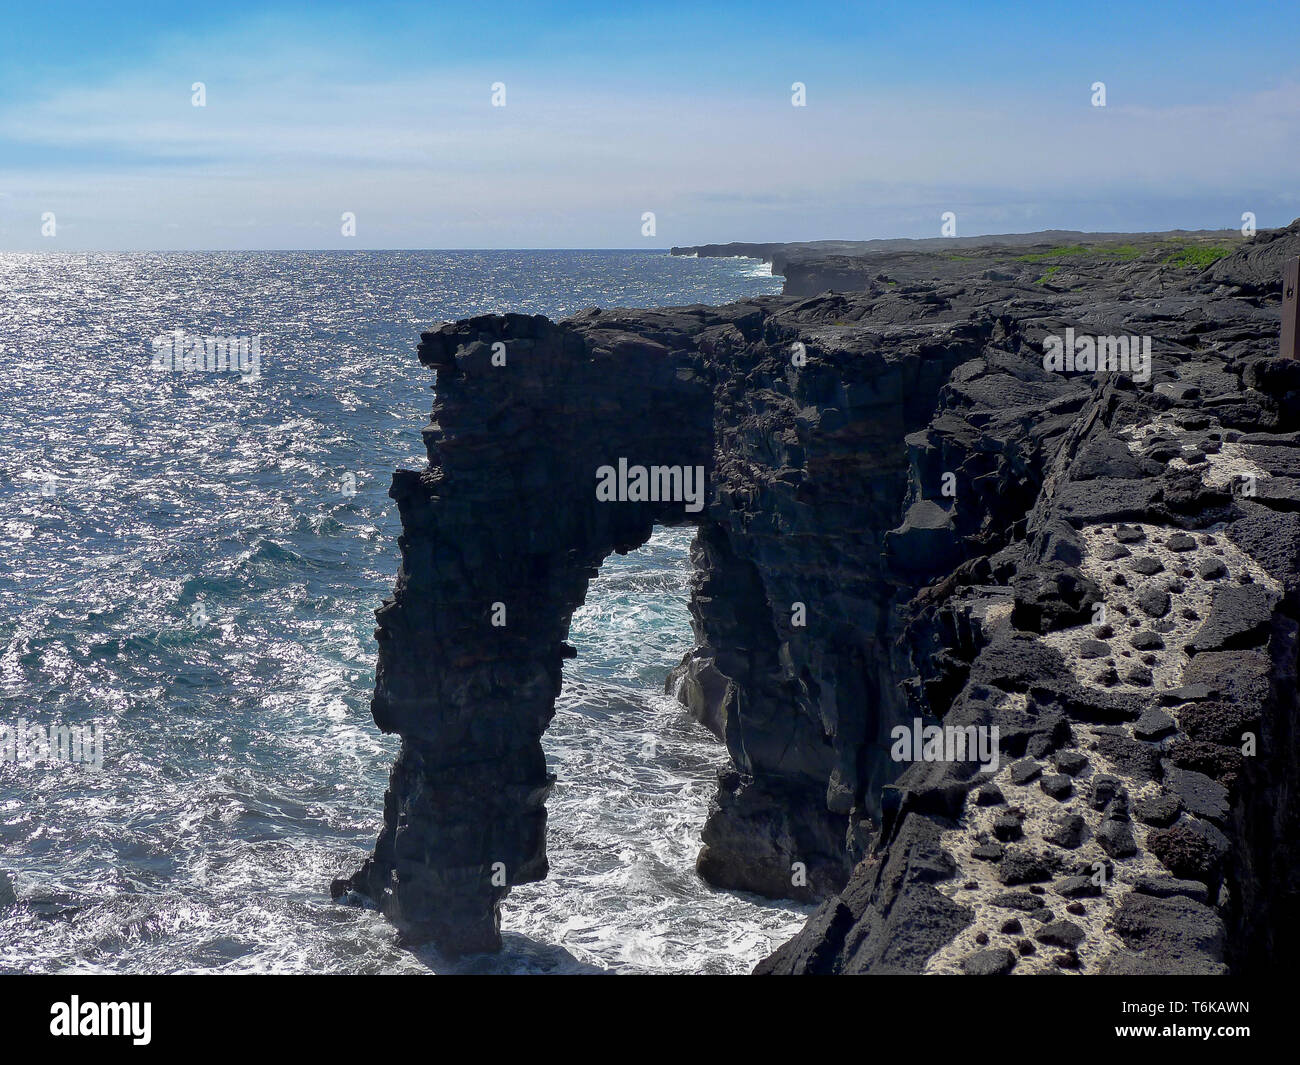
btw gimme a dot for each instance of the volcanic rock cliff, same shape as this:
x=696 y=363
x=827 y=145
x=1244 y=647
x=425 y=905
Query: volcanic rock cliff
x=907 y=518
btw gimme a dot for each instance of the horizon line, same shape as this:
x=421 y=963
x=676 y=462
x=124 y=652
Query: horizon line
x=664 y=249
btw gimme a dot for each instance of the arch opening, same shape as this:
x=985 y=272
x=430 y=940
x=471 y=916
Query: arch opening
x=635 y=775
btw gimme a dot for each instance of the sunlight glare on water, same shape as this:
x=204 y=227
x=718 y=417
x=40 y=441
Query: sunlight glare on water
x=187 y=565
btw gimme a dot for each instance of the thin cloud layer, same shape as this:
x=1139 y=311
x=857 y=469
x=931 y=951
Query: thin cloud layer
x=292 y=137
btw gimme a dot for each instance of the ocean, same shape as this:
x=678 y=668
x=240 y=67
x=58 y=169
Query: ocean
x=191 y=563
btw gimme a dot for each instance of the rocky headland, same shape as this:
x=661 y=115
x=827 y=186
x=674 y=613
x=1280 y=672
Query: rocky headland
x=910 y=517
x=812 y=267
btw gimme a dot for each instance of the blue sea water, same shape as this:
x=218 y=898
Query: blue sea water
x=186 y=564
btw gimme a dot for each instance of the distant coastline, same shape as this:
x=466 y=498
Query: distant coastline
x=814 y=266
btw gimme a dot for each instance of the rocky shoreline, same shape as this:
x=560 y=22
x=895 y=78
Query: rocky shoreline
x=813 y=267
x=908 y=518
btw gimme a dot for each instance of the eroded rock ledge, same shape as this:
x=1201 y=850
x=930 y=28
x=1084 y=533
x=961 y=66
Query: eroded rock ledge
x=895 y=469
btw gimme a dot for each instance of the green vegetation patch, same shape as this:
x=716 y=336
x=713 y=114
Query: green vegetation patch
x=1198 y=255
x=1075 y=251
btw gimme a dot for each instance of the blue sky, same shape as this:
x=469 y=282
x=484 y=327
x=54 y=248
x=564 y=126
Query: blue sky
x=613 y=110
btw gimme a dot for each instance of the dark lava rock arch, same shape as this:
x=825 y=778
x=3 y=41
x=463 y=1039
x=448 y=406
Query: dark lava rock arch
x=789 y=606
